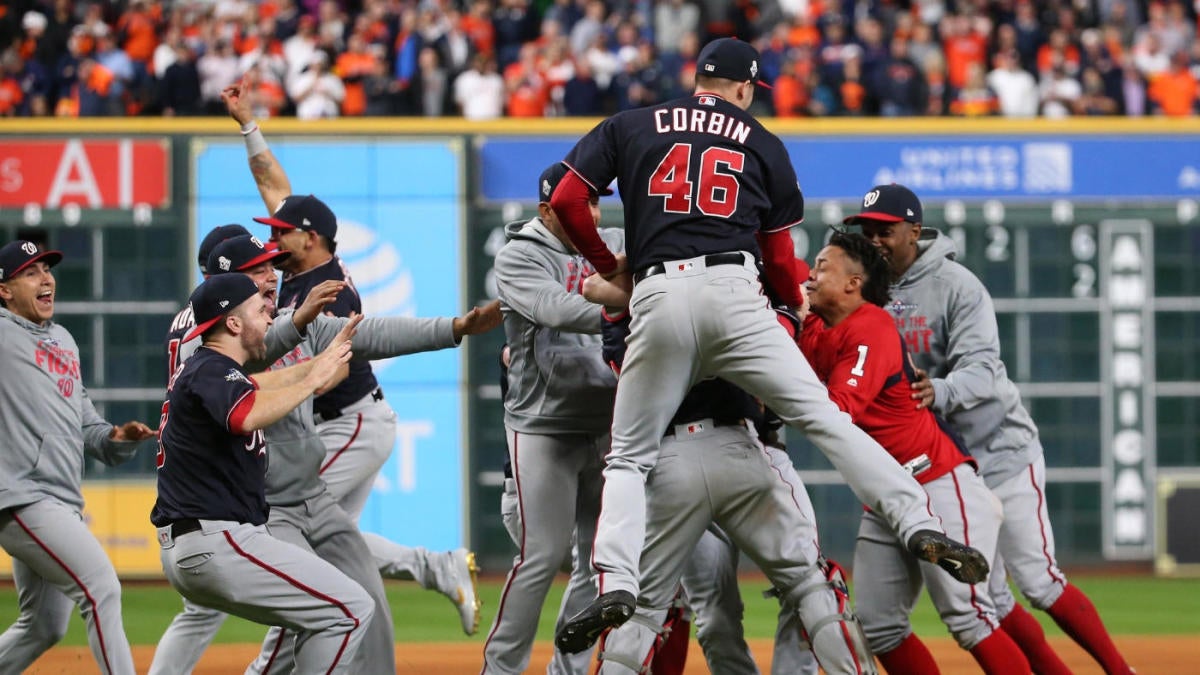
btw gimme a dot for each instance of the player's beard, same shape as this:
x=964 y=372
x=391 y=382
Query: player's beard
x=255 y=345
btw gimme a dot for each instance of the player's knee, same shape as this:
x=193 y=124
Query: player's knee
x=45 y=629
x=1044 y=594
x=715 y=630
x=360 y=606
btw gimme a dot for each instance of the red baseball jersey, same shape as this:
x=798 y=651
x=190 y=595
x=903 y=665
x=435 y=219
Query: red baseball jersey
x=863 y=363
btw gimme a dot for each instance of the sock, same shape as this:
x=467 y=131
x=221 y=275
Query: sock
x=997 y=654
x=1077 y=616
x=910 y=656
x=1025 y=630
x=671 y=656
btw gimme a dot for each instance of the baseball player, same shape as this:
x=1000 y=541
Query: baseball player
x=946 y=318
x=211 y=509
x=357 y=426
x=49 y=423
x=193 y=629
x=853 y=346
x=706 y=189
x=713 y=470
x=557 y=411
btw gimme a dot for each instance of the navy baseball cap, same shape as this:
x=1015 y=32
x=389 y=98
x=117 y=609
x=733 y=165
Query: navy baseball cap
x=17 y=255
x=241 y=253
x=731 y=59
x=889 y=203
x=218 y=235
x=303 y=212
x=550 y=179
x=216 y=297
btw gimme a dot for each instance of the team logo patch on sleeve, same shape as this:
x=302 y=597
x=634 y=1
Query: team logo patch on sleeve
x=235 y=375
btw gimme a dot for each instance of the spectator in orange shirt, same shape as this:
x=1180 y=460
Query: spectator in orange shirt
x=477 y=24
x=964 y=45
x=527 y=91
x=353 y=65
x=788 y=92
x=852 y=92
x=1059 y=43
x=1174 y=92
x=138 y=32
x=11 y=95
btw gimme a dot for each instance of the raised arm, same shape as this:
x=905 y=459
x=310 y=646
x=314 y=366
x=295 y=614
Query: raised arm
x=272 y=181
x=272 y=403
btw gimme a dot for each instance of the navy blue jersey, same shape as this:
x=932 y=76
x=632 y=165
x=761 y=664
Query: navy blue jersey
x=361 y=380
x=697 y=175
x=714 y=398
x=205 y=470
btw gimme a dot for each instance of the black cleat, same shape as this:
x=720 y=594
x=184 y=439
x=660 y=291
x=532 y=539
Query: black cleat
x=607 y=611
x=962 y=562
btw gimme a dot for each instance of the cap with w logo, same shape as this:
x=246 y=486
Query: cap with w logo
x=890 y=204
x=17 y=255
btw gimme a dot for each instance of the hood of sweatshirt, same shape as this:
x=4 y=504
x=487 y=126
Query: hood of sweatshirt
x=934 y=248
x=535 y=230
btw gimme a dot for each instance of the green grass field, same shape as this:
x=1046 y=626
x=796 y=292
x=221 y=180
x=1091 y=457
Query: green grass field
x=1129 y=606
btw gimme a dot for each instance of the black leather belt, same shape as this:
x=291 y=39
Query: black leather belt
x=334 y=414
x=185 y=526
x=735 y=422
x=711 y=260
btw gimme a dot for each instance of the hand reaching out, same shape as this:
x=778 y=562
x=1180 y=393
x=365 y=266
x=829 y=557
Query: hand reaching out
x=317 y=300
x=328 y=363
x=131 y=431
x=478 y=320
x=923 y=392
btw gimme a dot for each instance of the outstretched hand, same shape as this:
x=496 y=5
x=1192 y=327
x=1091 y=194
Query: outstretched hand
x=601 y=291
x=237 y=101
x=317 y=300
x=131 y=431
x=478 y=320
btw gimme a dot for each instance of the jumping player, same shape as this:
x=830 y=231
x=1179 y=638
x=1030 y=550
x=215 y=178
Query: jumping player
x=557 y=412
x=356 y=424
x=946 y=316
x=853 y=346
x=50 y=423
x=211 y=510
x=706 y=190
x=716 y=490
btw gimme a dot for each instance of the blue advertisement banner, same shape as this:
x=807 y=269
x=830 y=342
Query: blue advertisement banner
x=400 y=214
x=1021 y=167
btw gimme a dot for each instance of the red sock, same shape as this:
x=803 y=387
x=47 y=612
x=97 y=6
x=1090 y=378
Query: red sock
x=1077 y=616
x=997 y=654
x=910 y=656
x=671 y=656
x=1029 y=636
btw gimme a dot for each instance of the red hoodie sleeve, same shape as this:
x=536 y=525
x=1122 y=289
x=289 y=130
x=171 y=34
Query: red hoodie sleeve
x=570 y=203
x=779 y=261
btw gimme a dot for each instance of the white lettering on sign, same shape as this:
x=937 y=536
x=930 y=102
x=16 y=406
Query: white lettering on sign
x=74 y=177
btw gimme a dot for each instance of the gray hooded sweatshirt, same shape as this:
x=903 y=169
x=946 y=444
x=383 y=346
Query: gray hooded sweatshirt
x=47 y=419
x=948 y=323
x=557 y=380
x=295 y=450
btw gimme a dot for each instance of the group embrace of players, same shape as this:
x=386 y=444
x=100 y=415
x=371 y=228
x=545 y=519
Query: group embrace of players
x=273 y=428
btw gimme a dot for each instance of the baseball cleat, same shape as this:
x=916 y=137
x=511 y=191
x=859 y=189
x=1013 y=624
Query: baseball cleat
x=962 y=562
x=607 y=611
x=464 y=592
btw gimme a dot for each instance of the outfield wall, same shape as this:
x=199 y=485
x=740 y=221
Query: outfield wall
x=1085 y=231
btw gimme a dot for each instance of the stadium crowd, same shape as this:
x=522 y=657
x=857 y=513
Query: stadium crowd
x=533 y=58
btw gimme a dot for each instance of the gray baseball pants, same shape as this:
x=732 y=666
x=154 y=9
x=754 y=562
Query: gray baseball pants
x=57 y=562
x=695 y=321
x=242 y=570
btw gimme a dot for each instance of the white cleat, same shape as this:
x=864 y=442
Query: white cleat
x=462 y=589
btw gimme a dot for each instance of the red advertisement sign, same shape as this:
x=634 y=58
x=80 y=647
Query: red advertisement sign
x=93 y=174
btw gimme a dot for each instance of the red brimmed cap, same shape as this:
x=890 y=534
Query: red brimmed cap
x=216 y=297
x=17 y=255
x=550 y=179
x=241 y=253
x=216 y=236
x=888 y=203
x=303 y=212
